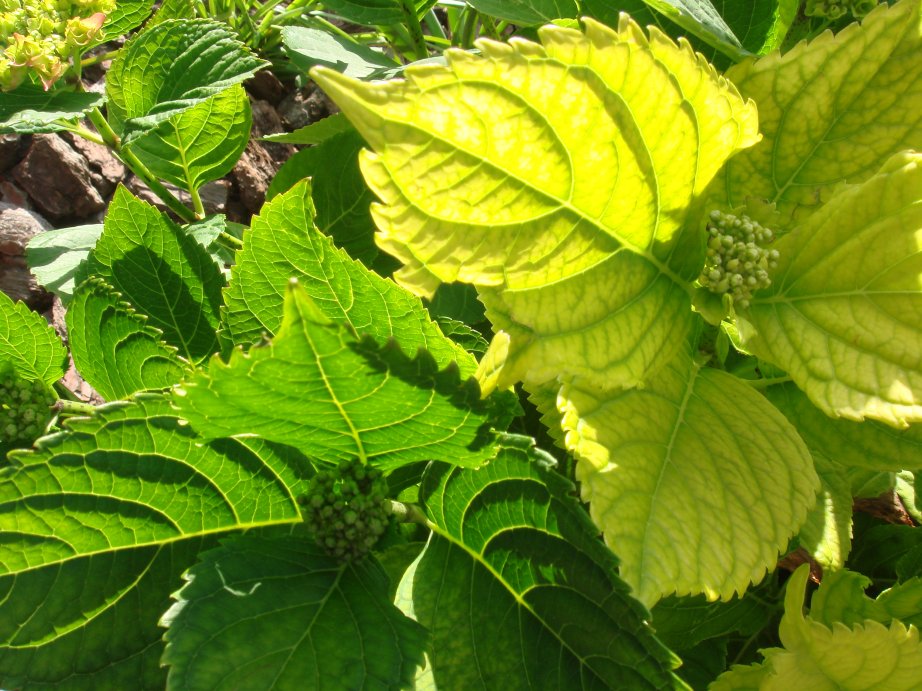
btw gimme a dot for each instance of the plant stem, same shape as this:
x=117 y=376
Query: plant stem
x=102 y=57
x=434 y=25
x=74 y=407
x=467 y=29
x=230 y=242
x=411 y=20
x=408 y=513
x=197 y=202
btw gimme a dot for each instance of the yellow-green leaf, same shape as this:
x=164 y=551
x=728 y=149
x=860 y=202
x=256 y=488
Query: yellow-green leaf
x=817 y=657
x=830 y=111
x=561 y=180
x=843 y=315
x=696 y=480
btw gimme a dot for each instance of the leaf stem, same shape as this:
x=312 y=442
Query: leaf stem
x=102 y=57
x=197 y=202
x=111 y=139
x=411 y=21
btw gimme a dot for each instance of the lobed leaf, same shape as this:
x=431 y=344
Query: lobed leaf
x=127 y=15
x=170 y=68
x=320 y=388
x=696 y=480
x=582 y=247
x=844 y=310
x=162 y=272
x=200 y=144
x=100 y=520
x=282 y=243
x=830 y=111
x=113 y=347
x=515 y=585
x=29 y=344
x=258 y=612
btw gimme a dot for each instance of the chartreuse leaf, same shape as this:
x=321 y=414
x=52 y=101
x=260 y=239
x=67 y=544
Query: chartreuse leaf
x=843 y=315
x=170 y=68
x=866 y=655
x=571 y=206
x=54 y=256
x=322 y=389
x=29 y=344
x=113 y=347
x=200 y=144
x=827 y=532
x=30 y=109
x=282 y=243
x=696 y=480
x=100 y=521
x=258 y=613
x=868 y=445
x=515 y=585
x=830 y=111
x=740 y=678
x=162 y=272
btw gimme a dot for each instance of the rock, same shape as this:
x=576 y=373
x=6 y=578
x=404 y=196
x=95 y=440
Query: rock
x=305 y=106
x=107 y=170
x=58 y=179
x=252 y=175
x=266 y=86
x=12 y=148
x=13 y=194
x=17 y=282
x=17 y=227
x=266 y=120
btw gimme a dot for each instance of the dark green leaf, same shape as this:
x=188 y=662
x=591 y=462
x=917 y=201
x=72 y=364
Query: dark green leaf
x=308 y=47
x=114 y=349
x=98 y=523
x=684 y=622
x=528 y=12
x=31 y=109
x=162 y=272
x=313 y=133
x=276 y=613
x=339 y=192
x=55 y=255
x=319 y=388
x=127 y=15
x=200 y=144
x=168 y=69
x=283 y=243
x=367 y=12
x=516 y=587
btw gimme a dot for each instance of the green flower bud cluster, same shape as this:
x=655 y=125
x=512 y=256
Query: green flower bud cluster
x=347 y=509
x=40 y=36
x=836 y=9
x=25 y=409
x=737 y=259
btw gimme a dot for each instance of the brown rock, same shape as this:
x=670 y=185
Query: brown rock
x=58 y=179
x=106 y=170
x=17 y=227
x=19 y=284
x=266 y=120
x=214 y=195
x=11 y=193
x=304 y=106
x=12 y=148
x=266 y=86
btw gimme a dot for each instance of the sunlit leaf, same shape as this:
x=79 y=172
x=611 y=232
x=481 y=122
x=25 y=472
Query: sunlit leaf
x=843 y=315
x=696 y=480
x=571 y=207
x=29 y=344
